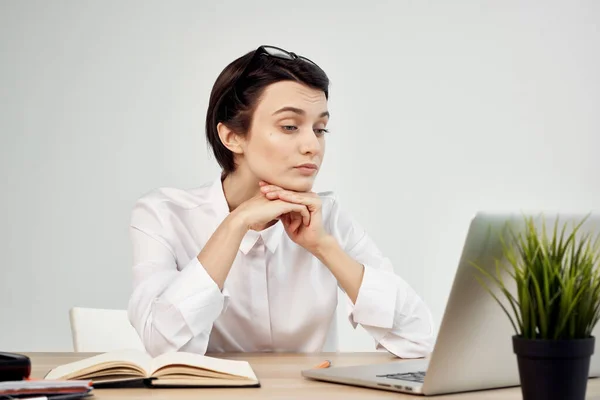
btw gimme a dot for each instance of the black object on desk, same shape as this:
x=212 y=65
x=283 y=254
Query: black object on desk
x=14 y=367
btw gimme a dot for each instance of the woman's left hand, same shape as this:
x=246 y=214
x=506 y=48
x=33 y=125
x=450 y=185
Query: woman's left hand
x=308 y=236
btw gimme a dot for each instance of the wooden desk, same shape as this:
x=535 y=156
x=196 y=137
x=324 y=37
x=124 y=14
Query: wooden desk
x=280 y=377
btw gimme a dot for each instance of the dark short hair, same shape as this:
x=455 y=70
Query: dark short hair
x=234 y=98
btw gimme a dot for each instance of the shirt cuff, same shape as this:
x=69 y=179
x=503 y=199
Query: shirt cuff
x=376 y=301
x=193 y=296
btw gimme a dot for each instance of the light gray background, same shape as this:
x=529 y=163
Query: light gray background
x=439 y=109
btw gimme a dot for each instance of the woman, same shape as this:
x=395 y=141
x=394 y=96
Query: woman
x=252 y=261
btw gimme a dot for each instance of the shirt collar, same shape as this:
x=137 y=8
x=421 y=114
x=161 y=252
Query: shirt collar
x=273 y=235
x=270 y=236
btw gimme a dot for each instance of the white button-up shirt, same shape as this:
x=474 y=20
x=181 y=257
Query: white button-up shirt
x=277 y=297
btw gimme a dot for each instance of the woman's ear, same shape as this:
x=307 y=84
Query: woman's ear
x=231 y=140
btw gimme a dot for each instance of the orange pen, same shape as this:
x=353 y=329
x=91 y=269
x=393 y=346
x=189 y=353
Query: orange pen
x=324 y=364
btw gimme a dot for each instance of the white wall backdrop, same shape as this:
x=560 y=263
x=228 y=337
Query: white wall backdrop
x=439 y=109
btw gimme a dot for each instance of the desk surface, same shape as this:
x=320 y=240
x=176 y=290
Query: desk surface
x=280 y=377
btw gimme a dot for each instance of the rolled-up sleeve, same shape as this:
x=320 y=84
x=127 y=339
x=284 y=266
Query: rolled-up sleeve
x=387 y=307
x=169 y=306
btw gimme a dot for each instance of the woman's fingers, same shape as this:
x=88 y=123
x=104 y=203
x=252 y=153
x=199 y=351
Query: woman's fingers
x=296 y=209
x=310 y=200
x=301 y=203
x=305 y=215
x=266 y=187
x=293 y=221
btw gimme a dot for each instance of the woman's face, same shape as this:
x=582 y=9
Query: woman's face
x=286 y=144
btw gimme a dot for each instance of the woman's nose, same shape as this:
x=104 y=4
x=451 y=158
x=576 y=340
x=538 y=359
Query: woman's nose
x=309 y=142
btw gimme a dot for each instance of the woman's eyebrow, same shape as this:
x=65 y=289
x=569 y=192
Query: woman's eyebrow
x=299 y=111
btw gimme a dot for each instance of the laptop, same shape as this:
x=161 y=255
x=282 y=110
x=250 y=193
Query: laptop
x=473 y=350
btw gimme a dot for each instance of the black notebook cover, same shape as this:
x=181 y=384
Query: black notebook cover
x=147 y=383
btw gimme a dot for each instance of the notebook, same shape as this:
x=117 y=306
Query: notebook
x=46 y=388
x=175 y=369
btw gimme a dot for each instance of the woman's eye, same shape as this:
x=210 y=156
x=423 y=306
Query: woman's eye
x=289 y=128
x=321 y=132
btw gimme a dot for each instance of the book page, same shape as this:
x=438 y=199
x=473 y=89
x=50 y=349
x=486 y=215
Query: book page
x=200 y=382
x=114 y=359
x=231 y=367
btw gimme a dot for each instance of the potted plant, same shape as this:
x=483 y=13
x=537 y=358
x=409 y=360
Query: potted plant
x=555 y=307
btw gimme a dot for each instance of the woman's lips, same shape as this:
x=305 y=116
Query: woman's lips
x=307 y=169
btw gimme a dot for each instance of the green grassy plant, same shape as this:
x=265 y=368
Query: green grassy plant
x=557 y=281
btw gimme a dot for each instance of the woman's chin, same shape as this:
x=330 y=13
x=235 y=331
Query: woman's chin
x=296 y=184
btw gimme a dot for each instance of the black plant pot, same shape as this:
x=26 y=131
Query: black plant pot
x=553 y=369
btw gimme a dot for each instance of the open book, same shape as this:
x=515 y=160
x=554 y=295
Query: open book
x=169 y=369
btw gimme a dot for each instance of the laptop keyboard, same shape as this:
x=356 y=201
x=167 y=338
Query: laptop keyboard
x=408 y=376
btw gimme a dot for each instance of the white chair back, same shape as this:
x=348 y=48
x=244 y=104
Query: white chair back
x=102 y=330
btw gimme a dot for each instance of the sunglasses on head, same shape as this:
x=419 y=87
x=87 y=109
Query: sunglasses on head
x=265 y=51
x=276 y=52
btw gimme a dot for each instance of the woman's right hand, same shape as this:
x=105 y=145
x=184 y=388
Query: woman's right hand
x=257 y=212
